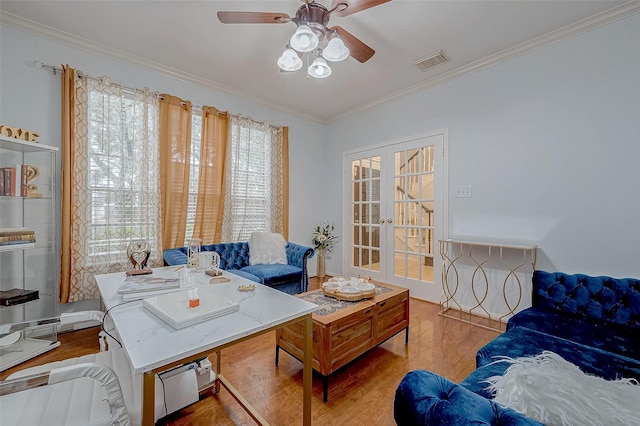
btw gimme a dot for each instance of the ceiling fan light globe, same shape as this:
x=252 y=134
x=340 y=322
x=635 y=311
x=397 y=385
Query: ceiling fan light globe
x=319 y=69
x=336 y=50
x=304 y=40
x=289 y=61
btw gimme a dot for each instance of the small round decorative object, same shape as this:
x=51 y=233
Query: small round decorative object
x=247 y=287
x=350 y=290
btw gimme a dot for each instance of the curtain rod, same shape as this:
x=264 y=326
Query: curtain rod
x=56 y=69
x=199 y=107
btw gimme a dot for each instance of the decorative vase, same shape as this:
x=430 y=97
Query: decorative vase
x=321 y=272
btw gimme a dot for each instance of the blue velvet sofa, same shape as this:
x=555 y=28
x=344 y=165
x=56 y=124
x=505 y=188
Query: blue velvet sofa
x=592 y=322
x=291 y=278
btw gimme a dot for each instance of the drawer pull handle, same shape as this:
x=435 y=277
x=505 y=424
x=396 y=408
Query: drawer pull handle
x=367 y=311
x=383 y=303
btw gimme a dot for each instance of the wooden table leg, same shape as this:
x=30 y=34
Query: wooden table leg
x=148 y=394
x=307 y=370
x=325 y=388
x=216 y=382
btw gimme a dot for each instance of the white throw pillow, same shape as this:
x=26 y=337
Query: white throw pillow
x=553 y=391
x=267 y=248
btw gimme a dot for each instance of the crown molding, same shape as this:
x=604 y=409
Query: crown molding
x=595 y=21
x=53 y=34
x=544 y=40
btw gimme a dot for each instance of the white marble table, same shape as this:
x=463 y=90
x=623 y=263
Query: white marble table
x=152 y=345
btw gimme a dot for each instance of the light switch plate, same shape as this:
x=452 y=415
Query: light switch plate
x=464 y=191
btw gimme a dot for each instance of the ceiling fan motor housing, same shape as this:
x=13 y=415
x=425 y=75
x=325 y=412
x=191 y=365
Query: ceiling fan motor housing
x=315 y=16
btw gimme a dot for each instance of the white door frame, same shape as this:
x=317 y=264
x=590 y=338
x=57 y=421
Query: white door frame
x=431 y=292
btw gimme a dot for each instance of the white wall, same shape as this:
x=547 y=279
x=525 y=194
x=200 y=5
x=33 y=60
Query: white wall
x=550 y=142
x=30 y=98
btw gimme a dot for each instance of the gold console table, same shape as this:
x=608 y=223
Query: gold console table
x=482 y=282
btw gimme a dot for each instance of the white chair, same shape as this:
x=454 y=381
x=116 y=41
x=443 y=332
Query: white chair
x=83 y=393
x=97 y=389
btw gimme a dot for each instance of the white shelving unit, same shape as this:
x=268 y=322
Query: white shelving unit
x=30 y=266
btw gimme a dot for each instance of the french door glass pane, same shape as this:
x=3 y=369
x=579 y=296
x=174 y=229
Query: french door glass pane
x=365 y=214
x=365 y=263
x=375 y=260
x=427 y=187
x=427 y=159
x=413 y=208
x=365 y=236
x=365 y=200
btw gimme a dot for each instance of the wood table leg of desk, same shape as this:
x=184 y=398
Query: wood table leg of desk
x=148 y=394
x=216 y=385
x=307 y=370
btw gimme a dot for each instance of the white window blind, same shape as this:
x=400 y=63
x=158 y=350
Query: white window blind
x=249 y=200
x=194 y=171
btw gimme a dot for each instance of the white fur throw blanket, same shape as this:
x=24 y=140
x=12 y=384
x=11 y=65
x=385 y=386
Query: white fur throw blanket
x=555 y=392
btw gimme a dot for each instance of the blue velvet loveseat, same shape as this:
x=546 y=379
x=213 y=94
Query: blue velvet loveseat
x=291 y=278
x=592 y=322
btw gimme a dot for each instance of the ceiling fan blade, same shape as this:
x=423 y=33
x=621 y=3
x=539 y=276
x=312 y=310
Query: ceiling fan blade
x=357 y=49
x=354 y=6
x=253 y=17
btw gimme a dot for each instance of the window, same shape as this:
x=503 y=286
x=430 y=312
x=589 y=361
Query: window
x=194 y=171
x=122 y=178
x=253 y=199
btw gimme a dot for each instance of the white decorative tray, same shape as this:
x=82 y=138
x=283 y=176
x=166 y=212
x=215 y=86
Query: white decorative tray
x=351 y=290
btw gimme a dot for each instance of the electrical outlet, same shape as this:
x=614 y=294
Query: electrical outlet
x=464 y=191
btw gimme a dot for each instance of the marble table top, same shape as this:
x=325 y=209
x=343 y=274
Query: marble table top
x=151 y=343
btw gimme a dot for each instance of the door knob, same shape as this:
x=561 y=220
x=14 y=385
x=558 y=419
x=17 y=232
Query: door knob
x=389 y=220
x=381 y=221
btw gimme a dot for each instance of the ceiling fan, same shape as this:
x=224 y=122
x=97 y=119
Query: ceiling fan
x=313 y=35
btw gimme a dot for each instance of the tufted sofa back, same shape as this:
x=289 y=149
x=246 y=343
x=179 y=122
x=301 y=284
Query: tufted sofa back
x=614 y=300
x=232 y=255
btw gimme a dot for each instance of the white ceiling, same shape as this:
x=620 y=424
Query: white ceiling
x=185 y=37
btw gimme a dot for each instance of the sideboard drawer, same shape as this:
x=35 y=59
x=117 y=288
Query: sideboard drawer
x=392 y=316
x=351 y=337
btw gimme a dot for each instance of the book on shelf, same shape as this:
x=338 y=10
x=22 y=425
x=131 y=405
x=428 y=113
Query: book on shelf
x=15 y=243
x=4 y=232
x=13 y=180
x=31 y=238
x=145 y=283
x=10 y=236
x=8 y=174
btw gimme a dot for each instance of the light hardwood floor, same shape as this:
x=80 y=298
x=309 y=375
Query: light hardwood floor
x=359 y=394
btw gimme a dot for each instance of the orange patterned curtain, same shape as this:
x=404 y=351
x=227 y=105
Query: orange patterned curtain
x=210 y=201
x=68 y=125
x=175 y=157
x=109 y=180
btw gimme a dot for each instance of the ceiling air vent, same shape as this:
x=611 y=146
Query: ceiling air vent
x=431 y=61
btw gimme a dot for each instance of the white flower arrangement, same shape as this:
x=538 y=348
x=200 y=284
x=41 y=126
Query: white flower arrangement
x=323 y=238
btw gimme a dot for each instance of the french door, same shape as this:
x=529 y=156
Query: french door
x=396 y=214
